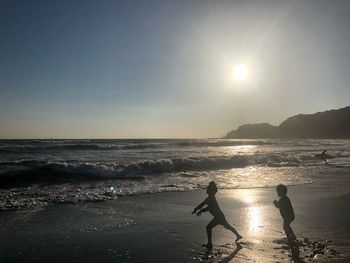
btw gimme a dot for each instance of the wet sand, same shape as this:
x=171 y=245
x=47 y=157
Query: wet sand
x=160 y=227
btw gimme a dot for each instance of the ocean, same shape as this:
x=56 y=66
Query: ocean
x=34 y=173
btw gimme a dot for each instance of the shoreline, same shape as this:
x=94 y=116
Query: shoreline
x=159 y=227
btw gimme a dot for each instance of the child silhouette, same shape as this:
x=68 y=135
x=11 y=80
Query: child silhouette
x=214 y=209
x=286 y=210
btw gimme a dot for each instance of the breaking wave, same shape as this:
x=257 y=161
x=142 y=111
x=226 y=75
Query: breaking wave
x=61 y=145
x=36 y=170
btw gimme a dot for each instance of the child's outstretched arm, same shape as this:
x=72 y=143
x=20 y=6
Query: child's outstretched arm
x=205 y=209
x=199 y=206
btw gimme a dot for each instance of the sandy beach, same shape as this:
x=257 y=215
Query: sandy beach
x=160 y=228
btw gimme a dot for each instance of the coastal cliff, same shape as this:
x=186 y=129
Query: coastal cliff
x=332 y=124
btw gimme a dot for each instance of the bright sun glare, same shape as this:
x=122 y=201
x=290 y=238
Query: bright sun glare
x=240 y=72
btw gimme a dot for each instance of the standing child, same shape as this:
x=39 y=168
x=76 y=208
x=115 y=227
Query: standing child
x=286 y=210
x=214 y=209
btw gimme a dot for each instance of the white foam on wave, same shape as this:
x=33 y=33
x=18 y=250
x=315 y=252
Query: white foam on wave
x=166 y=166
x=251 y=177
x=90 y=174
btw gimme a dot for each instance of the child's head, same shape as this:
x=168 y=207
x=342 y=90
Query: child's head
x=281 y=190
x=212 y=189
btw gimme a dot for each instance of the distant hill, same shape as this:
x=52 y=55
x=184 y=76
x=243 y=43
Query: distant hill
x=253 y=131
x=332 y=124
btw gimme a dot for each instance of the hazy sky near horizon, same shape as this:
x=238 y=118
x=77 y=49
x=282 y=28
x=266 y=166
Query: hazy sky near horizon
x=163 y=69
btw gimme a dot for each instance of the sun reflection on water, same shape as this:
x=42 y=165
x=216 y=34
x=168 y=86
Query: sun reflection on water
x=254 y=219
x=253 y=211
x=241 y=149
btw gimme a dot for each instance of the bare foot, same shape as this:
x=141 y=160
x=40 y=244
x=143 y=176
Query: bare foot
x=208 y=246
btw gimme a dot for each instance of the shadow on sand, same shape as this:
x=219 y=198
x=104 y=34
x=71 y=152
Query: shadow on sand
x=222 y=253
x=232 y=255
x=293 y=247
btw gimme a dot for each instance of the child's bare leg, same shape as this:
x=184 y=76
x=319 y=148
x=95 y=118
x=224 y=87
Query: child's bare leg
x=213 y=223
x=289 y=231
x=232 y=229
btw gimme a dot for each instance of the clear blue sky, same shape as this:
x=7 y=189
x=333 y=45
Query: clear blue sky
x=162 y=69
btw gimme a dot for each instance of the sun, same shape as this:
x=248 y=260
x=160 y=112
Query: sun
x=240 y=72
